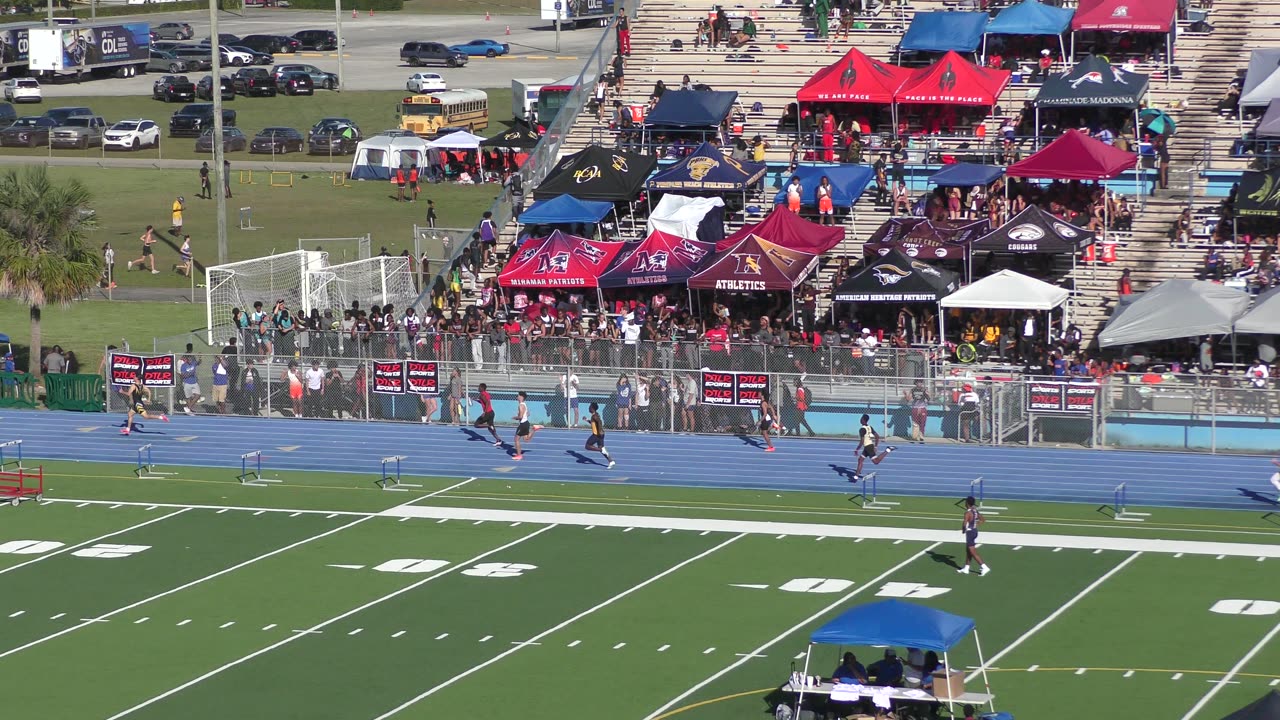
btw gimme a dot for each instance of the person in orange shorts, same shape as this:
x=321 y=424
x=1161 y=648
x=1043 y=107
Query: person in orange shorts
x=793 y=195
x=826 y=209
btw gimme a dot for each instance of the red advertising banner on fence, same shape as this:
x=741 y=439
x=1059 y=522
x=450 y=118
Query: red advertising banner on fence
x=156 y=370
x=735 y=389
x=388 y=377
x=1061 y=397
x=422 y=377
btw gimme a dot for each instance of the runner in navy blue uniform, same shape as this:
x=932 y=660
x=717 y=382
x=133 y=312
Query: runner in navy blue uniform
x=595 y=443
x=972 y=519
x=485 y=421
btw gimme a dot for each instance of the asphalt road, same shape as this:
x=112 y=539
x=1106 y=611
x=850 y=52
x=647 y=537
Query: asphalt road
x=371 y=58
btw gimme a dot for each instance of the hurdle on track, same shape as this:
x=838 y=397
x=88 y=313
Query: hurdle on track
x=253 y=471
x=11 y=455
x=868 y=495
x=146 y=469
x=977 y=488
x=390 y=481
x=1120 y=506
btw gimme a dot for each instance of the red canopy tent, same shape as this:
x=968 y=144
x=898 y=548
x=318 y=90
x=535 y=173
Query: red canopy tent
x=854 y=78
x=788 y=230
x=1075 y=156
x=558 y=260
x=755 y=264
x=1125 y=15
x=952 y=80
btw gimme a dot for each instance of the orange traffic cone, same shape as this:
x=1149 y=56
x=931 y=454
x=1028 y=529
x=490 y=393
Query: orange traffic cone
x=508 y=29
x=354 y=14
x=486 y=16
x=370 y=12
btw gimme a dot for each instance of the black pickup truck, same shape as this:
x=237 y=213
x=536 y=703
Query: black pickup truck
x=193 y=119
x=173 y=88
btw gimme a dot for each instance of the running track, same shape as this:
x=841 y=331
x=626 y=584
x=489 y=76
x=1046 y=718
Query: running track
x=1154 y=479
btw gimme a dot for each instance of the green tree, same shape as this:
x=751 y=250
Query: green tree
x=45 y=254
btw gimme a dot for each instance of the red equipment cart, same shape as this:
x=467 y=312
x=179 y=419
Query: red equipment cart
x=18 y=485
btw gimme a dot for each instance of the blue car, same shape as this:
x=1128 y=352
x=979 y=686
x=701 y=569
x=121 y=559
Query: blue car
x=487 y=48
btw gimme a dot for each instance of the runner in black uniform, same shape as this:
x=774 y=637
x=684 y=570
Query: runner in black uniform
x=138 y=396
x=485 y=421
x=867 y=439
x=972 y=519
x=595 y=443
x=767 y=419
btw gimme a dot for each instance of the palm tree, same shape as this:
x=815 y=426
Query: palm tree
x=45 y=255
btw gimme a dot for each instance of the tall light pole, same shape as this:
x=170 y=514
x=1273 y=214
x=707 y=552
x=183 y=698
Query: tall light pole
x=337 y=13
x=221 y=181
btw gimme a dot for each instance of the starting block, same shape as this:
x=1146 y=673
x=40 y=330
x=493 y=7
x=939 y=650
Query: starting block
x=253 y=471
x=11 y=455
x=977 y=488
x=868 y=495
x=19 y=485
x=390 y=481
x=1120 y=506
x=146 y=469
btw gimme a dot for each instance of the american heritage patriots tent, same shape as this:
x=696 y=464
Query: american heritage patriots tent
x=789 y=230
x=659 y=259
x=558 y=260
x=756 y=265
x=894 y=277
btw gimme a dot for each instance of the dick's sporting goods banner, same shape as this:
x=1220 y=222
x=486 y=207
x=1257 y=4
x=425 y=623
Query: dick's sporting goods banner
x=1061 y=397
x=734 y=389
x=156 y=370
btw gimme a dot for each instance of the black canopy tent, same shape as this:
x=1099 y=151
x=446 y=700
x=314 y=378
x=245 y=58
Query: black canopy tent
x=1259 y=194
x=895 y=277
x=519 y=137
x=1266 y=707
x=1034 y=231
x=1093 y=83
x=597 y=173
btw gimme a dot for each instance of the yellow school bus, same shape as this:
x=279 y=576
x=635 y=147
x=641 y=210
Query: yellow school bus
x=425 y=115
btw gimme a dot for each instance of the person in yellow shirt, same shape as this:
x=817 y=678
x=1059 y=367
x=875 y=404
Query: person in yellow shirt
x=990 y=336
x=178 y=206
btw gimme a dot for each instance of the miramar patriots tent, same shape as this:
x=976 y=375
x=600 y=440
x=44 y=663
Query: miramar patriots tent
x=953 y=80
x=854 y=78
x=558 y=260
x=756 y=265
x=848 y=182
x=564 y=209
x=789 y=230
x=597 y=173
x=707 y=170
x=659 y=259
x=943 y=31
x=894 y=277
x=1035 y=231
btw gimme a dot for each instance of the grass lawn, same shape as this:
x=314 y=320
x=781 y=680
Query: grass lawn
x=373 y=111
x=88 y=327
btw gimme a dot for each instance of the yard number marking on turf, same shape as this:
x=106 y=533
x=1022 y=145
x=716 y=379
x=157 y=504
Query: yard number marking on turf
x=110 y=550
x=55 y=551
x=910 y=590
x=29 y=547
x=408 y=565
x=816 y=585
x=1245 y=607
x=499 y=570
x=424 y=566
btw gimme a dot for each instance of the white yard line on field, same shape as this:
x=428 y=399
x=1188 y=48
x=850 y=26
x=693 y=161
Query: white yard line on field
x=98 y=539
x=1226 y=680
x=557 y=628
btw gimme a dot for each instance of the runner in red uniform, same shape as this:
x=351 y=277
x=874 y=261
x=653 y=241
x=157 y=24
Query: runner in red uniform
x=485 y=421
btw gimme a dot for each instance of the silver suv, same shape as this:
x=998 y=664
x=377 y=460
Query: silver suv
x=79 y=131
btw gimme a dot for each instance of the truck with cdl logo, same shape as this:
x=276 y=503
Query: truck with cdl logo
x=578 y=13
x=94 y=49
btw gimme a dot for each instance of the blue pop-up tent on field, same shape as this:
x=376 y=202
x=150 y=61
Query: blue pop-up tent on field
x=966 y=175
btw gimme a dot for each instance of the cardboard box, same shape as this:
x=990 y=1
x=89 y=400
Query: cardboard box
x=948 y=684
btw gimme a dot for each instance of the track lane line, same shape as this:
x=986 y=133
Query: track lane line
x=98 y=539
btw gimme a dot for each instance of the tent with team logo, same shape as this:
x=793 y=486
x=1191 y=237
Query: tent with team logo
x=1128 y=17
x=1093 y=82
x=598 y=173
x=854 y=78
x=894 y=277
x=1035 y=231
x=559 y=260
x=659 y=259
x=928 y=239
x=755 y=265
x=953 y=80
x=708 y=171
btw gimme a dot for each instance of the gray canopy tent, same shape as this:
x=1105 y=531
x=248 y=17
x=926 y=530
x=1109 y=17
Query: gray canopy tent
x=1264 y=318
x=1176 y=309
x=1261 y=81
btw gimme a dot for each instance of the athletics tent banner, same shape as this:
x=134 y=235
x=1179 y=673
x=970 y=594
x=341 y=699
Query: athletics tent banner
x=1062 y=397
x=388 y=377
x=422 y=377
x=597 y=173
x=708 y=170
x=734 y=389
x=558 y=260
x=855 y=78
x=1259 y=194
x=1093 y=82
x=785 y=228
x=155 y=370
x=952 y=80
x=894 y=277
x=659 y=259
x=1035 y=231
x=756 y=265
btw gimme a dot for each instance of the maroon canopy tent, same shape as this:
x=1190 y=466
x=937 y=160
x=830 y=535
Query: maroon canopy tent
x=919 y=237
x=659 y=259
x=755 y=264
x=952 y=80
x=854 y=78
x=1075 y=156
x=558 y=260
x=1127 y=16
x=789 y=230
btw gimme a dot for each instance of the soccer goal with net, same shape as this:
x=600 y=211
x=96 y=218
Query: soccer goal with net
x=375 y=281
x=240 y=284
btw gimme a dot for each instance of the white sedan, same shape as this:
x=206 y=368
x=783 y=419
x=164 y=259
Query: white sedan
x=426 y=83
x=19 y=90
x=132 y=135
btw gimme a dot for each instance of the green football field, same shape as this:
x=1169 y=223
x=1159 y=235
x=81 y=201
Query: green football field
x=320 y=596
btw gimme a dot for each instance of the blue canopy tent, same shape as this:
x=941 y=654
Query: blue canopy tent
x=689 y=109
x=896 y=623
x=708 y=171
x=1031 y=18
x=565 y=209
x=847 y=183
x=944 y=30
x=966 y=175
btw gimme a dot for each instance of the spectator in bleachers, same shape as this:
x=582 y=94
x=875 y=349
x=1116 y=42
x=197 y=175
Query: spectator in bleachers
x=619 y=72
x=702 y=36
x=658 y=88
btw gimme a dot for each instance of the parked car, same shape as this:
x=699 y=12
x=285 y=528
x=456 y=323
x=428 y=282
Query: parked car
x=204 y=88
x=316 y=40
x=22 y=90
x=253 y=81
x=233 y=140
x=426 y=53
x=78 y=131
x=173 y=88
x=333 y=136
x=296 y=83
x=165 y=61
x=173 y=31
x=259 y=58
x=193 y=119
x=487 y=48
x=426 y=83
x=231 y=56
x=270 y=43
x=7 y=114
x=223 y=39
x=29 y=131
x=132 y=135
x=167 y=45
x=60 y=114
x=197 y=58
x=277 y=141
x=319 y=78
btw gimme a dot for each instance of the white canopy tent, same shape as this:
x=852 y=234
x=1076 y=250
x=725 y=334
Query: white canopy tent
x=1007 y=290
x=461 y=140
x=680 y=215
x=376 y=157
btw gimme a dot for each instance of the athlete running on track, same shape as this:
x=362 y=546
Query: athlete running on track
x=595 y=443
x=524 y=429
x=1275 y=477
x=767 y=419
x=138 y=396
x=867 y=439
x=485 y=421
x=972 y=519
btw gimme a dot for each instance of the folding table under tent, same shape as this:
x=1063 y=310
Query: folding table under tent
x=1007 y=290
x=897 y=623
